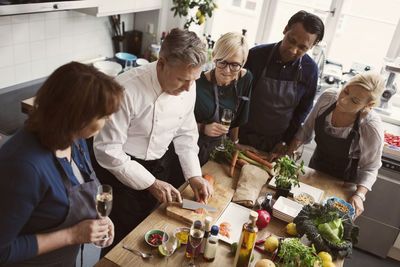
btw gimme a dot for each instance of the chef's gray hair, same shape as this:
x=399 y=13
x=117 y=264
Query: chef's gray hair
x=183 y=46
x=229 y=44
x=371 y=81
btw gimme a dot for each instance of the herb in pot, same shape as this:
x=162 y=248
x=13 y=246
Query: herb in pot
x=293 y=253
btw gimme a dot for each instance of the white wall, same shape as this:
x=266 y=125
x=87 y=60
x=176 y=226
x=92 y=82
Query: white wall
x=34 y=45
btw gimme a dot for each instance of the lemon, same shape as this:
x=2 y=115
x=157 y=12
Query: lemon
x=198 y=14
x=265 y=263
x=271 y=244
x=161 y=251
x=202 y=19
x=291 y=229
x=215 y=5
x=325 y=256
x=328 y=264
x=234 y=247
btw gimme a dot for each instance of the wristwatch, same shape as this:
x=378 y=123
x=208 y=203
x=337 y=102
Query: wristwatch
x=361 y=195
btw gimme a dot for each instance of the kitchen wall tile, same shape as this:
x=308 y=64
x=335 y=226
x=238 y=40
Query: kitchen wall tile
x=38 y=50
x=38 y=69
x=5 y=20
x=52 y=63
x=20 y=19
x=22 y=53
x=51 y=15
x=23 y=73
x=52 y=28
x=37 y=31
x=52 y=47
x=7 y=57
x=7 y=76
x=20 y=33
x=36 y=17
x=6 y=36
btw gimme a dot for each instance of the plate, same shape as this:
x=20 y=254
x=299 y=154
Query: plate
x=286 y=209
x=347 y=204
x=236 y=216
x=316 y=193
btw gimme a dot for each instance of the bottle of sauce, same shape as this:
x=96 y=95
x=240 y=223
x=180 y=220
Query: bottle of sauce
x=267 y=203
x=211 y=245
x=207 y=229
x=246 y=242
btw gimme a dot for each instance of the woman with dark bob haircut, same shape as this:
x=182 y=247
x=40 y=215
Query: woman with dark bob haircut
x=47 y=184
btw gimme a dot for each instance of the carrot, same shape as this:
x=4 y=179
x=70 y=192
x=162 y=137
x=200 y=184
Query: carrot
x=258 y=159
x=235 y=157
x=241 y=162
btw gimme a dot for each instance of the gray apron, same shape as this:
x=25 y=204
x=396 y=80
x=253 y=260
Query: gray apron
x=271 y=109
x=332 y=154
x=207 y=143
x=82 y=206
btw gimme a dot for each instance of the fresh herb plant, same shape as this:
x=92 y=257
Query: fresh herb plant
x=288 y=172
x=293 y=253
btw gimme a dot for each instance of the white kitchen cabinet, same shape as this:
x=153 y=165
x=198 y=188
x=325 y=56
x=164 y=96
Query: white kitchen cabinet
x=113 y=7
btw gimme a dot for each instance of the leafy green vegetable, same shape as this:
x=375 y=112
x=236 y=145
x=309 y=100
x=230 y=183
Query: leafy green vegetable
x=294 y=253
x=308 y=223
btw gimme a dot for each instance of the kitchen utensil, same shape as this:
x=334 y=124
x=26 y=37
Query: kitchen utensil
x=221 y=198
x=193 y=205
x=139 y=253
x=147 y=237
x=126 y=60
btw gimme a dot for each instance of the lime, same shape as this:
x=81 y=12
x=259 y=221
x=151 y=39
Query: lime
x=198 y=14
x=291 y=229
x=179 y=244
x=234 y=247
x=325 y=256
x=161 y=251
x=271 y=244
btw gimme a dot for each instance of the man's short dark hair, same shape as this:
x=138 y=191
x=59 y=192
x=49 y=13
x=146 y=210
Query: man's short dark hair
x=311 y=23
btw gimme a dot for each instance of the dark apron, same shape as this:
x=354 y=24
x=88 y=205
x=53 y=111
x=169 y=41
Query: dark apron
x=82 y=206
x=272 y=106
x=207 y=143
x=332 y=154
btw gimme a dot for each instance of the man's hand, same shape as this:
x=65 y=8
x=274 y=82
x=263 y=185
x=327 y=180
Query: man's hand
x=164 y=192
x=215 y=129
x=358 y=205
x=279 y=150
x=201 y=188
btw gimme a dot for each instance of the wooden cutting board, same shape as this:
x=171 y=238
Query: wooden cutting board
x=221 y=198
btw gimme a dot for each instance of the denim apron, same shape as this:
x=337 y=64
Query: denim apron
x=332 y=154
x=82 y=206
x=271 y=109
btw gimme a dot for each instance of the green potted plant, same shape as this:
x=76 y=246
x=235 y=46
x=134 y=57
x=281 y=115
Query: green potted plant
x=204 y=8
x=287 y=174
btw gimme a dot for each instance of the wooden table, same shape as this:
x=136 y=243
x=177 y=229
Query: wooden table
x=159 y=220
x=27 y=105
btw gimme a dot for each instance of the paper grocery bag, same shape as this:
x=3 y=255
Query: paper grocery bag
x=250 y=182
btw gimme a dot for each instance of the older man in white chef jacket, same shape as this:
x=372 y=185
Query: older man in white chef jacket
x=133 y=145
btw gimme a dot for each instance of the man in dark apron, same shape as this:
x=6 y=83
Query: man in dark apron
x=284 y=84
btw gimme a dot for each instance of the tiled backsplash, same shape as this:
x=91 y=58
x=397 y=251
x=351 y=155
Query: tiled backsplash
x=34 y=45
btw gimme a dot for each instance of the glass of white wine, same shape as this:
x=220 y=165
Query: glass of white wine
x=104 y=199
x=195 y=239
x=169 y=244
x=226 y=119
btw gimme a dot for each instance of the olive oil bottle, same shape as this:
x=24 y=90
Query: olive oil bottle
x=247 y=242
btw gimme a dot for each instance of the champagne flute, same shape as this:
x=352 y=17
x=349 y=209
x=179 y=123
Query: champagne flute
x=298 y=153
x=104 y=198
x=226 y=119
x=169 y=244
x=195 y=239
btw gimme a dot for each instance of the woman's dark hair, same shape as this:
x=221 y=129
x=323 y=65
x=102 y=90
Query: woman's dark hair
x=311 y=23
x=72 y=97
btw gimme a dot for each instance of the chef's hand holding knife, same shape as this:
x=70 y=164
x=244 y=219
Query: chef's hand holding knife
x=164 y=192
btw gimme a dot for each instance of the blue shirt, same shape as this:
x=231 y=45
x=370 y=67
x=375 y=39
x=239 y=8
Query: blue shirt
x=306 y=87
x=33 y=197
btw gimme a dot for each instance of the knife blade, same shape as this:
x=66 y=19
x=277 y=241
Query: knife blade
x=194 y=205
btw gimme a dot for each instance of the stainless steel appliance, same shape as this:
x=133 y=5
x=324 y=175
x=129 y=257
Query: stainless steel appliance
x=391 y=70
x=380 y=221
x=13 y=7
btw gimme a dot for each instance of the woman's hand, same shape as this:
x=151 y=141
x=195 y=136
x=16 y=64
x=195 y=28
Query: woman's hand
x=215 y=129
x=89 y=231
x=110 y=235
x=357 y=204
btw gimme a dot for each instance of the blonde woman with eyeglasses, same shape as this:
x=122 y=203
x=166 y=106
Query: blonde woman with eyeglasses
x=227 y=86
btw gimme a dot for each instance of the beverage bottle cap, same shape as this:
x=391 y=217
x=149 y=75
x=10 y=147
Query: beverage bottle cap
x=253 y=215
x=268 y=196
x=197 y=224
x=214 y=230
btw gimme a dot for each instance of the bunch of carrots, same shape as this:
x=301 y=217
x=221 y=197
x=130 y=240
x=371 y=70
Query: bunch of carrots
x=237 y=158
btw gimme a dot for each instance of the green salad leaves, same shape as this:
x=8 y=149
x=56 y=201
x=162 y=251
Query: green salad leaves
x=292 y=253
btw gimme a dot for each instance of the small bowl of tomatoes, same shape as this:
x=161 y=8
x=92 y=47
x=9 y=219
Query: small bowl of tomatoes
x=155 y=237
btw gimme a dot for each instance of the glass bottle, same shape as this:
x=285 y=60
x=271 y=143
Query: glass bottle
x=267 y=203
x=211 y=244
x=207 y=229
x=247 y=242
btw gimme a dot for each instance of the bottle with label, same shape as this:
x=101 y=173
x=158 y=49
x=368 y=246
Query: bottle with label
x=207 y=229
x=195 y=239
x=211 y=245
x=267 y=203
x=247 y=241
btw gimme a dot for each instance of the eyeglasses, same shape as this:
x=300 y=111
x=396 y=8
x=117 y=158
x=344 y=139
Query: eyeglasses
x=234 y=67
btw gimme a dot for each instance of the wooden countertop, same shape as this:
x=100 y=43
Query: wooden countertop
x=159 y=220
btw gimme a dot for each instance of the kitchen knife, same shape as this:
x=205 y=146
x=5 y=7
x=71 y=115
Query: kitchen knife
x=193 y=205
